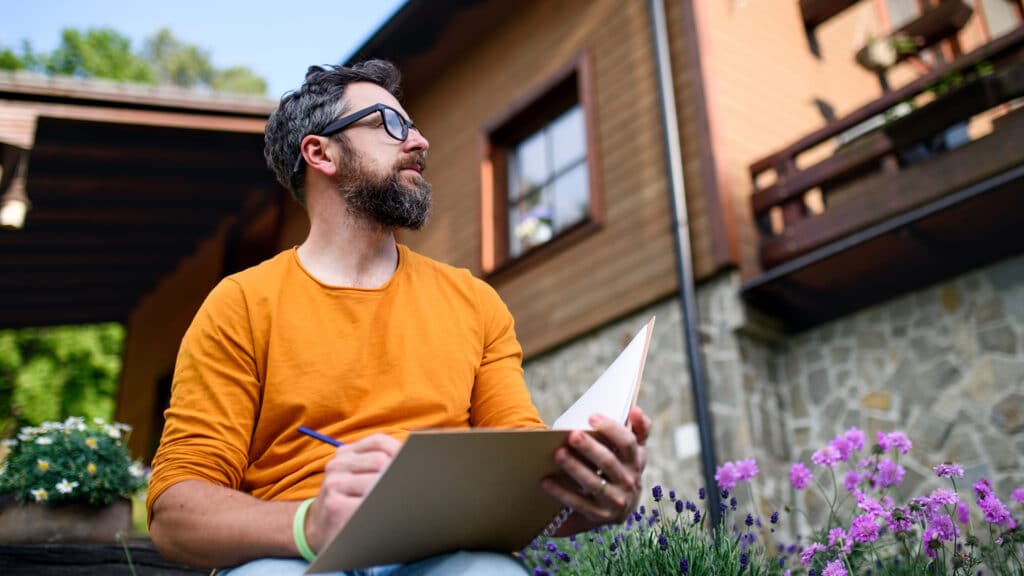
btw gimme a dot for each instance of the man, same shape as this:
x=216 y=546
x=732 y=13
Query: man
x=355 y=336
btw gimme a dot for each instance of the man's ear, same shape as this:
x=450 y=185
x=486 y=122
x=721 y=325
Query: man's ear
x=314 y=150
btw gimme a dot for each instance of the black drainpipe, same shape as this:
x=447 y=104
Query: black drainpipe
x=684 y=258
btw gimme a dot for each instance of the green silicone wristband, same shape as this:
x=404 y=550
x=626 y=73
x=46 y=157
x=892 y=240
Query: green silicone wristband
x=299 y=530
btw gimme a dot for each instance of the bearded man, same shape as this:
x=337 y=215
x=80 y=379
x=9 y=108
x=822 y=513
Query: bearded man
x=358 y=337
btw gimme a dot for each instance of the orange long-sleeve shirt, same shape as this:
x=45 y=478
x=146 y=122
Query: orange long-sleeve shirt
x=272 y=348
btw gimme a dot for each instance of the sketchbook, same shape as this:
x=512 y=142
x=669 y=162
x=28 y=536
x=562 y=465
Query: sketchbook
x=475 y=489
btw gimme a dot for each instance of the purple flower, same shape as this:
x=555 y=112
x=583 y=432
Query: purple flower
x=749 y=521
x=1018 y=495
x=983 y=488
x=662 y=542
x=800 y=476
x=837 y=537
x=944 y=497
x=679 y=506
x=963 y=513
x=684 y=565
x=863 y=528
x=842 y=446
x=889 y=474
x=855 y=437
x=995 y=511
x=826 y=456
x=746 y=469
x=538 y=571
x=834 y=568
x=702 y=493
x=564 y=557
x=897 y=440
x=868 y=504
x=696 y=516
x=851 y=481
x=552 y=547
x=726 y=476
x=949 y=471
x=899 y=520
x=672 y=495
x=656 y=492
x=808 y=555
x=775 y=517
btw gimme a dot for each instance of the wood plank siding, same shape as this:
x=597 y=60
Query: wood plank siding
x=628 y=261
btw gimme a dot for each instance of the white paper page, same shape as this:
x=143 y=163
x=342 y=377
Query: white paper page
x=613 y=393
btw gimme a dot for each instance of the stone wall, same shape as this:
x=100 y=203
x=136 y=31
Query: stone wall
x=944 y=365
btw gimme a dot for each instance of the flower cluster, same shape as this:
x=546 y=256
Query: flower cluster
x=71 y=461
x=931 y=534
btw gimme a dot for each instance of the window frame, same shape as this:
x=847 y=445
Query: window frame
x=569 y=86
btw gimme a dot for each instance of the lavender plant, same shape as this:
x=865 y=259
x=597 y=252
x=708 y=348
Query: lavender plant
x=673 y=536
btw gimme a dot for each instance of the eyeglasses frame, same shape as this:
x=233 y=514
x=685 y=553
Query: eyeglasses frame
x=350 y=119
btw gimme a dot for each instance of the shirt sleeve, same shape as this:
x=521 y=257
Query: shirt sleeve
x=500 y=397
x=214 y=398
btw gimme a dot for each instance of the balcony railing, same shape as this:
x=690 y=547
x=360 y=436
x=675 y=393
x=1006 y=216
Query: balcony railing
x=895 y=159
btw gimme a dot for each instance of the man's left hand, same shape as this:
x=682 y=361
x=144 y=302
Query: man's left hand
x=602 y=469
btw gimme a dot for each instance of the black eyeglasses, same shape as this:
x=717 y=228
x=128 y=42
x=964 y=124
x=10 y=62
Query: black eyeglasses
x=395 y=125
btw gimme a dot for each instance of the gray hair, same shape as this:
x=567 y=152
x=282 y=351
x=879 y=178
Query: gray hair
x=310 y=109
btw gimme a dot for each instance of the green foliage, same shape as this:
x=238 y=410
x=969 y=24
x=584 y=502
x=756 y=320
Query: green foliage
x=106 y=53
x=240 y=80
x=71 y=461
x=98 y=52
x=178 y=63
x=9 y=60
x=53 y=373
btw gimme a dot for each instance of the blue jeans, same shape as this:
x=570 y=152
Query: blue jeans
x=455 y=564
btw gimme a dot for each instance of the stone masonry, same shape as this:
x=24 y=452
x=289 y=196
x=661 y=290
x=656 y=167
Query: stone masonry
x=944 y=364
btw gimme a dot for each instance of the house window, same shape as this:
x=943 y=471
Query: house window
x=548 y=187
x=539 y=185
x=1000 y=16
x=901 y=12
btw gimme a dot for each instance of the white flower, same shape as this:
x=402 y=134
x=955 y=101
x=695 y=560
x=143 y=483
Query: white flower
x=123 y=427
x=112 y=431
x=99 y=421
x=39 y=495
x=65 y=487
x=44 y=440
x=136 y=469
x=75 y=423
x=3 y=468
x=25 y=437
x=9 y=442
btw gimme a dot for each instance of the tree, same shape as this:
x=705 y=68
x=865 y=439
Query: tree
x=240 y=80
x=106 y=53
x=99 y=52
x=52 y=373
x=178 y=63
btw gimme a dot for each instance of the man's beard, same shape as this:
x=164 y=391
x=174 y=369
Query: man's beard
x=385 y=200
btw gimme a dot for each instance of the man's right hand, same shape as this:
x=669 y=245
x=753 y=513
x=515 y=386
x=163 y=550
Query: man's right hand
x=348 y=477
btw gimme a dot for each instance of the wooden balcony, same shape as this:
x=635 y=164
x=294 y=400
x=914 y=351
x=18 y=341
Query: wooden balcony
x=902 y=205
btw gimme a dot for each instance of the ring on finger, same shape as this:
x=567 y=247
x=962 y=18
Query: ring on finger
x=604 y=486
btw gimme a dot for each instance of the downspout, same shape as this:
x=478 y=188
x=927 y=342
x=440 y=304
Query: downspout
x=684 y=258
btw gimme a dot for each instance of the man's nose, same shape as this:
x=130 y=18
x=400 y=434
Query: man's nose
x=416 y=142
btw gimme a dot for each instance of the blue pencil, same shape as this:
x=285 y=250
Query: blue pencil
x=319 y=436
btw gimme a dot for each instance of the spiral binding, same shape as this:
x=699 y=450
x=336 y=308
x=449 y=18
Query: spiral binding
x=556 y=522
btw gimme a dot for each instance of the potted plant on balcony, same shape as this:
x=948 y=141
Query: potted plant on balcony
x=67 y=481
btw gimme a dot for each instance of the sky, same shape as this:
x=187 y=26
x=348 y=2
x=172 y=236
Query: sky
x=277 y=40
